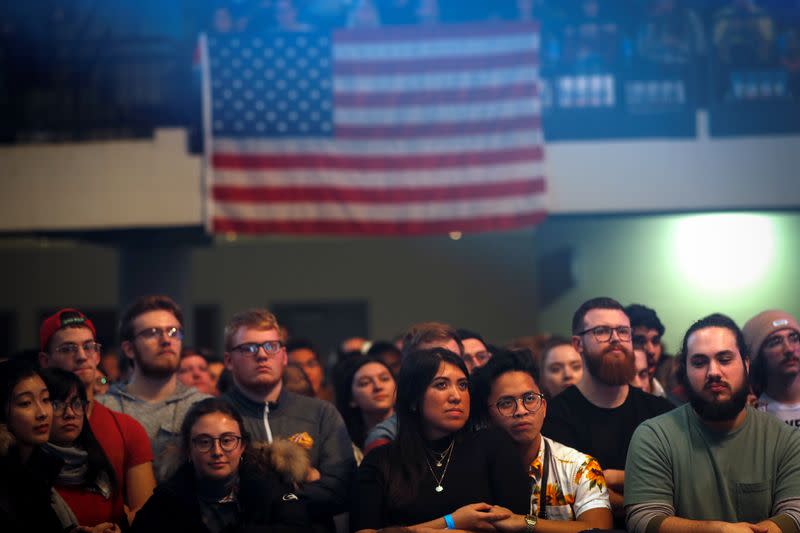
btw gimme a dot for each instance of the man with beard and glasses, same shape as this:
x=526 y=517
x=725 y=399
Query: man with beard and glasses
x=599 y=414
x=151 y=331
x=773 y=338
x=714 y=464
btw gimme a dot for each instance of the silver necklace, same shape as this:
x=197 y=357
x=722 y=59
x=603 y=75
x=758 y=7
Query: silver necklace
x=440 y=480
x=439 y=457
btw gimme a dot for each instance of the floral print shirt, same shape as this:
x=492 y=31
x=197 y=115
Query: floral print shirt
x=575 y=483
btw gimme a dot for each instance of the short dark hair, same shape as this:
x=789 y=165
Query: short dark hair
x=554 y=342
x=641 y=315
x=143 y=305
x=602 y=302
x=483 y=378
x=465 y=334
x=716 y=320
x=301 y=344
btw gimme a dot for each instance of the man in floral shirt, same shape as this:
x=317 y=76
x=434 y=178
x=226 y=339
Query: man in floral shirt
x=565 y=483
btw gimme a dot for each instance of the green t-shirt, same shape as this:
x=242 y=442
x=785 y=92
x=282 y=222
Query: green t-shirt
x=706 y=475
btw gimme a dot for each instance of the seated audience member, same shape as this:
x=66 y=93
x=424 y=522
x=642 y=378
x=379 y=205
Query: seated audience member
x=27 y=499
x=306 y=356
x=476 y=352
x=295 y=380
x=422 y=336
x=566 y=485
x=67 y=341
x=388 y=353
x=109 y=364
x=257 y=359
x=647 y=334
x=193 y=371
x=225 y=482
x=714 y=464
x=151 y=330
x=561 y=366
x=215 y=370
x=365 y=396
x=86 y=481
x=773 y=340
x=438 y=474
x=641 y=379
x=599 y=414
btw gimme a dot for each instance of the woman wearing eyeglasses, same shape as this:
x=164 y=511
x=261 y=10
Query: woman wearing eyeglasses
x=86 y=480
x=224 y=483
x=438 y=474
x=567 y=488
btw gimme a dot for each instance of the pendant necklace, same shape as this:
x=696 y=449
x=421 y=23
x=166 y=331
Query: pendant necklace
x=440 y=480
x=439 y=457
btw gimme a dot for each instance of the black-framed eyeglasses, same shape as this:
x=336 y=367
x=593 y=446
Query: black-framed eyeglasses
x=205 y=443
x=604 y=333
x=251 y=349
x=150 y=334
x=77 y=405
x=70 y=349
x=531 y=401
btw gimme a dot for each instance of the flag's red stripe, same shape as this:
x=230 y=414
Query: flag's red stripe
x=367 y=228
x=233 y=161
x=317 y=194
x=435 y=65
x=438 y=32
x=447 y=129
x=458 y=96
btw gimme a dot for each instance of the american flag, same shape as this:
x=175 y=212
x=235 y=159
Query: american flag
x=388 y=131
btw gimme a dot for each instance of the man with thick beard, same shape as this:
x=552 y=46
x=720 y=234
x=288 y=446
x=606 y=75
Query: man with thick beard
x=151 y=330
x=714 y=464
x=599 y=414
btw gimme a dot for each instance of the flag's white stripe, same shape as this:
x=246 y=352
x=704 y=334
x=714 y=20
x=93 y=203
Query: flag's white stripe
x=457 y=46
x=315 y=146
x=399 y=179
x=468 y=79
x=422 y=211
x=437 y=113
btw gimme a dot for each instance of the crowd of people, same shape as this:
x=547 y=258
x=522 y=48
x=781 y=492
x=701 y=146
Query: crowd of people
x=436 y=429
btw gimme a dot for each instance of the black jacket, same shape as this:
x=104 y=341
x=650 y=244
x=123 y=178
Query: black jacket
x=25 y=490
x=266 y=503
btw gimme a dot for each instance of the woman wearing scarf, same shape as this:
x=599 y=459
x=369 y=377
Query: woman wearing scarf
x=86 y=480
x=223 y=483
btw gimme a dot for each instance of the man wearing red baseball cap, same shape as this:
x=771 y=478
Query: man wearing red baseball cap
x=67 y=340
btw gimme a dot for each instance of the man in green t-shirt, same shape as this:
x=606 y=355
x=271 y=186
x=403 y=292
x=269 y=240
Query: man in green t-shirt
x=714 y=464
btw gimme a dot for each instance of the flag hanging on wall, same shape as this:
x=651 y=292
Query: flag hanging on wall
x=388 y=131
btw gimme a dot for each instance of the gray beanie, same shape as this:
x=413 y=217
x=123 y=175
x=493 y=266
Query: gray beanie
x=764 y=324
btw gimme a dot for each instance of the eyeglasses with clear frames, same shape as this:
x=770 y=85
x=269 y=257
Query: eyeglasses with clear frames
x=775 y=342
x=71 y=349
x=604 y=333
x=60 y=407
x=205 y=443
x=531 y=401
x=271 y=348
x=150 y=334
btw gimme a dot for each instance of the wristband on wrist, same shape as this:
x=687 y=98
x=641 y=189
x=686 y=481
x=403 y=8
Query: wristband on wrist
x=448 y=519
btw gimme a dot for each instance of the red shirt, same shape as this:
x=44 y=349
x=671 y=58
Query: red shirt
x=126 y=445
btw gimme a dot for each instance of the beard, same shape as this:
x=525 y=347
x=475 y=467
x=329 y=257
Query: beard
x=609 y=369
x=719 y=411
x=160 y=368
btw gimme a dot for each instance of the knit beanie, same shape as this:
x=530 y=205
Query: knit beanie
x=764 y=324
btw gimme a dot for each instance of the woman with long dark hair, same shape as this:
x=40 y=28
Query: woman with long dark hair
x=86 y=480
x=225 y=483
x=439 y=474
x=25 y=472
x=365 y=396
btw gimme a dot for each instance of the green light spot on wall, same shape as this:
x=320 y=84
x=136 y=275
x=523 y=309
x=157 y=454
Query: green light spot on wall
x=724 y=252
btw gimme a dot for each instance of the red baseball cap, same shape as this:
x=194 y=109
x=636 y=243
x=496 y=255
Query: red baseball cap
x=62 y=319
